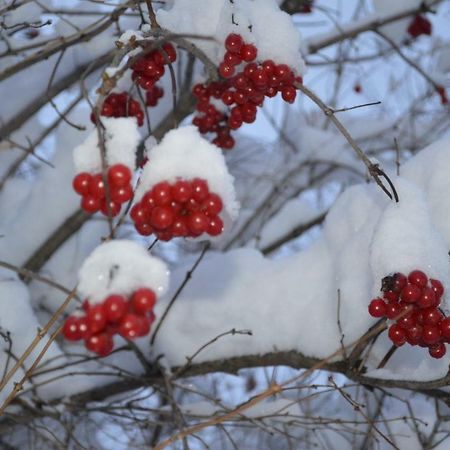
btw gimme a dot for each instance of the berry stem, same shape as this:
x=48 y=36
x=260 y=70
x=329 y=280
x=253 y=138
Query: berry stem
x=387 y=357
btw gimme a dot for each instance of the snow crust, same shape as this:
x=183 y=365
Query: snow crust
x=121 y=140
x=184 y=153
x=250 y=19
x=120 y=267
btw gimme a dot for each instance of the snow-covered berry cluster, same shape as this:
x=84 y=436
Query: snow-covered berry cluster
x=244 y=86
x=121 y=105
x=413 y=303
x=92 y=189
x=419 y=25
x=129 y=317
x=185 y=208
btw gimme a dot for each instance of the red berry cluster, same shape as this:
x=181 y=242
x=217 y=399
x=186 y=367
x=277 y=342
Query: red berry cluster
x=420 y=25
x=93 y=192
x=185 y=208
x=121 y=105
x=413 y=303
x=130 y=318
x=242 y=91
x=148 y=69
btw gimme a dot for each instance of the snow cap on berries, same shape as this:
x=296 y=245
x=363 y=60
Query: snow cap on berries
x=120 y=267
x=252 y=20
x=185 y=154
x=121 y=141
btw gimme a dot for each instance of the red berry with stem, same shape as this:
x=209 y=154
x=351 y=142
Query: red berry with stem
x=438 y=350
x=418 y=278
x=101 y=343
x=397 y=335
x=119 y=175
x=289 y=93
x=96 y=318
x=143 y=301
x=437 y=287
x=129 y=326
x=411 y=293
x=115 y=307
x=428 y=298
x=122 y=194
x=234 y=43
x=97 y=186
x=81 y=183
x=162 y=217
x=197 y=223
x=431 y=334
x=248 y=52
x=377 y=308
x=90 y=204
x=114 y=208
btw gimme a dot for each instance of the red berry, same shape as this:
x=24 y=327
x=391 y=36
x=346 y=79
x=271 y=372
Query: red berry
x=232 y=59
x=234 y=43
x=212 y=205
x=391 y=296
x=143 y=229
x=432 y=316
x=411 y=293
x=96 y=318
x=138 y=214
x=289 y=93
x=129 y=326
x=115 y=307
x=427 y=299
x=240 y=81
x=197 y=223
x=249 y=69
x=414 y=334
x=215 y=226
x=81 y=183
x=122 y=194
x=406 y=321
x=418 y=278
x=170 y=51
x=228 y=97
x=114 y=208
x=144 y=326
x=148 y=201
x=200 y=189
x=101 y=343
x=225 y=70
x=97 y=187
x=161 y=193
x=392 y=310
x=397 y=335
x=179 y=227
x=377 y=308
x=162 y=217
x=268 y=66
x=90 y=204
x=71 y=329
x=437 y=351
x=431 y=334
x=143 y=301
x=181 y=191
x=259 y=78
x=437 y=287
x=248 y=52
x=282 y=72
x=445 y=328
x=119 y=175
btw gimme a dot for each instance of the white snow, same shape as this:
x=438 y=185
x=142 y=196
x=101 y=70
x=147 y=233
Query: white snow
x=121 y=140
x=121 y=267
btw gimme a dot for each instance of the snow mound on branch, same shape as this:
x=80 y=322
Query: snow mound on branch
x=294 y=303
x=250 y=19
x=121 y=140
x=120 y=267
x=184 y=153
